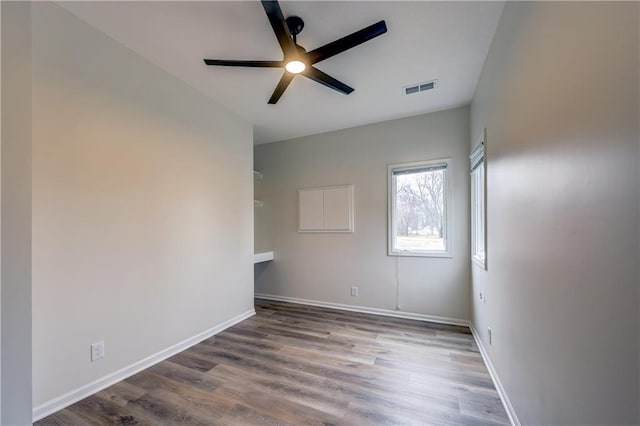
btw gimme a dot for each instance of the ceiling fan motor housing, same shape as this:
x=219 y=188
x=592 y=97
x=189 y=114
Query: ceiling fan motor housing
x=295 y=24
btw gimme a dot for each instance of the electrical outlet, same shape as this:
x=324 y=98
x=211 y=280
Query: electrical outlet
x=489 y=331
x=354 y=291
x=97 y=351
x=480 y=295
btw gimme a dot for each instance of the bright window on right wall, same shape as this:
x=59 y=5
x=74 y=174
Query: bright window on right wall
x=478 y=206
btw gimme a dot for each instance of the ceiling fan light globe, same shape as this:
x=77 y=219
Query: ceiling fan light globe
x=295 y=67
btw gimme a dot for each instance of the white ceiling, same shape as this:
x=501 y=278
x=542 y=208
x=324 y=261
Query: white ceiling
x=447 y=41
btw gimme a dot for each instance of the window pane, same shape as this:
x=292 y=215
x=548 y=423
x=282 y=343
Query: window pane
x=420 y=211
x=481 y=213
x=478 y=214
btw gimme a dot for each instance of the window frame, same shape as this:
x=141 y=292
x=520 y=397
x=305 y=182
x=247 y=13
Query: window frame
x=448 y=210
x=478 y=181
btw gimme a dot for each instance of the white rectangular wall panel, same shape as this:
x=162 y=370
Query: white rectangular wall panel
x=328 y=209
x=311 y=210
x=338 y=209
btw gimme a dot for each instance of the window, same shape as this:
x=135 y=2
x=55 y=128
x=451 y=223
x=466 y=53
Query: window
x=478 y=207
x=419 y=209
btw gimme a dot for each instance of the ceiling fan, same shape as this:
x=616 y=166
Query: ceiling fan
x=296 y=59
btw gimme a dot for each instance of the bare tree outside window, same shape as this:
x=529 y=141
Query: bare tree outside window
x=420 y=210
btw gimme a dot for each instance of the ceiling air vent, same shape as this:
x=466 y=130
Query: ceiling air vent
x=420 y=87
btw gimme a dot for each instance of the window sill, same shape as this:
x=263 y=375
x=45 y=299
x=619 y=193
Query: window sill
x=440 y=254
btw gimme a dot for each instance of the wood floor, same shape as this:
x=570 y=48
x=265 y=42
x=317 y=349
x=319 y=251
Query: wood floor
x=304 y=365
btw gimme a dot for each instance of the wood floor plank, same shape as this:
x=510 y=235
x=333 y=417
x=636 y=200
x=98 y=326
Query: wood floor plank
x=164 y=410
x=97 y=410
x=65 y=417
x=185 y=375
x=297 y=364
x=122 y=393
x=185 y=359
x=241 y=415
x=285 y=389
x=284 y=410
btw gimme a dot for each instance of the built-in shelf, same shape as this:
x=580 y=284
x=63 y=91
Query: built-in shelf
x=266 y=256
x=263 y=257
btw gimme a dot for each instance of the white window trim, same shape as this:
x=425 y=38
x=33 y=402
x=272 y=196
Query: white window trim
x=479 y=155
x=448 y=210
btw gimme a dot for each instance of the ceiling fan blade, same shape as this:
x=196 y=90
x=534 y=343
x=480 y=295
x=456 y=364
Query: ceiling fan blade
x=280 y=28
x=326 y=80
x=281 y=87
x=234 y=63
x=347 y=42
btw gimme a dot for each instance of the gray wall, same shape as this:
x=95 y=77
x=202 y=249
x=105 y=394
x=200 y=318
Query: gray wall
x=323 y=267
x=559 y=98
x=142 y=207
x=0 y=216
x=16 y=214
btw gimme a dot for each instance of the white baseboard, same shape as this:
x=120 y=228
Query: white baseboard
x=84 y=391
x=496 y=380
x=367 y=310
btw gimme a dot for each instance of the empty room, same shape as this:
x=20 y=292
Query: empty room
x=320 y=213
